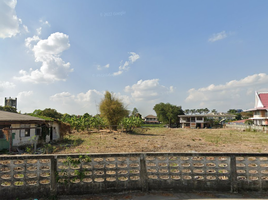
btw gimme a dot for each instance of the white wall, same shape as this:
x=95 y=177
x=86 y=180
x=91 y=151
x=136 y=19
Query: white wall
x=23 y=140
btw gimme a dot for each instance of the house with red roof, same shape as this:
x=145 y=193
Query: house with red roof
x=260 y=116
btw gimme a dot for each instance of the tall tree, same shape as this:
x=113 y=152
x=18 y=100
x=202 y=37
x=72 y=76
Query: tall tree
x=186 y=111
x=193 y=111
x=134 y=112
x=214 y=111
x=49 y=112
x=112 y=109
x=168 y=113
x=206 y=110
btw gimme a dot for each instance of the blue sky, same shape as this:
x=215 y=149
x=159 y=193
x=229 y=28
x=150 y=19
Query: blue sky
x=65 y=54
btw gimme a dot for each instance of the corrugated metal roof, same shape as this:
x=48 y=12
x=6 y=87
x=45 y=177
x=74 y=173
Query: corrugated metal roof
x=10 y=116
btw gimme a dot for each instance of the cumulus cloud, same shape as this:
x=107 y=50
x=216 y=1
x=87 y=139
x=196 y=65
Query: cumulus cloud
x=9 y=22
x=47 y=52
x=234 y=91
x=25 y=94
x=217 y=36
x=131 y=59
x=148 y=90
x=6 y=85
x=78 y=103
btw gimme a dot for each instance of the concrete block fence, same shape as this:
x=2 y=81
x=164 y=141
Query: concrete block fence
x=35 y=176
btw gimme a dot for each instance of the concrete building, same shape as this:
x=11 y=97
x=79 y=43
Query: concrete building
x=11 y=102
x=260 y=110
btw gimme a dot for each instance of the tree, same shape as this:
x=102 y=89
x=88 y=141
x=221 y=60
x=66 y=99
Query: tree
x=134 y=112
x=193 y=111
x=8 y=109
x=186 y=111
x=168 y=113
x=48 y=112
x=112 y=109
x=200 y=111
x=206 y=110
x=214 y=111
x=232 y=111
x=249 y=122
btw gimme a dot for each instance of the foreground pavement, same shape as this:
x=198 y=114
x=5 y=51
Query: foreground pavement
x=169 y=196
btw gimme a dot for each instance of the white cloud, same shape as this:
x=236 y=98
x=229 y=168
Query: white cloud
x=217 y=36
x=25 y=29
x=234 y=92
x=30 y=40
x=6 y=85
x=90 y=96
x=23 y=94
x=117 y=73
x=80 y=103
x=148 y=90
x=44 y=22
x=39 y=30
x=63 y=97
x=9 y=22
x=104 y=67
x=131 y=59
x=47 y=52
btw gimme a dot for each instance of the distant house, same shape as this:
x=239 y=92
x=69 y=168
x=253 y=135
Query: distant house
x=193 y=121
x=202 y=121
x=260 y=116
x=151 y=119
x=23 y=129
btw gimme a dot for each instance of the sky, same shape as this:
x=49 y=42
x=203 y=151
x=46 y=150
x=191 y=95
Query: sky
x=195 y=54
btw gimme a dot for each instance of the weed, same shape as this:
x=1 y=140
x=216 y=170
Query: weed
x=29 y=150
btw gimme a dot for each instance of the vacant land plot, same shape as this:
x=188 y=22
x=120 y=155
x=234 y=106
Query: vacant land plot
x=164 y=140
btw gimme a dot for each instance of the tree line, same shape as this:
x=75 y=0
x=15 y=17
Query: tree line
x=114 y=113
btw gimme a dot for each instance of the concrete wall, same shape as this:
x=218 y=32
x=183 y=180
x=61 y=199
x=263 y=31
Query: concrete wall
x=22 y=140
x=248 y=127
x=24 y=176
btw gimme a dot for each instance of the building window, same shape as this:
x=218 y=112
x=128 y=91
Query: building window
x=25 y=131
x=199 y=118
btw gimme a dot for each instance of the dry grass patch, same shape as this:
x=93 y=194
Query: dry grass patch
x=165 y=140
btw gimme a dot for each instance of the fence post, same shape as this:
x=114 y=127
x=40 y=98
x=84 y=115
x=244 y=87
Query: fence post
x=234 y=188
x=143 y=174
x=54 y=175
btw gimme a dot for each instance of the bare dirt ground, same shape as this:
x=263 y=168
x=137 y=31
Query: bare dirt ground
x=164 y=140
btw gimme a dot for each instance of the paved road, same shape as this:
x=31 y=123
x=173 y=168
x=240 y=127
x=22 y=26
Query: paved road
x=169 y=196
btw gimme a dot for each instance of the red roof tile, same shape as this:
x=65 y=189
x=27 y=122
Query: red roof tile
x=264 y=99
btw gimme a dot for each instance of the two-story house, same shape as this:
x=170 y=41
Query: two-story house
x=192 y=121
x=260 y=116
